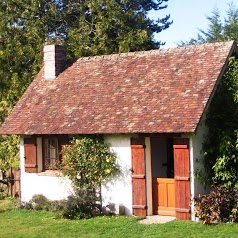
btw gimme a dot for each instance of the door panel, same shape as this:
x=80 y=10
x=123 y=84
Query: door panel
x=164 y=196
x=138 y=177
x=182 y=178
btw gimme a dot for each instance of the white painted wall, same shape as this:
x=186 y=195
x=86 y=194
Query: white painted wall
x=53 y=187
x=197 y=140
x=196 y=157
x=119 y=190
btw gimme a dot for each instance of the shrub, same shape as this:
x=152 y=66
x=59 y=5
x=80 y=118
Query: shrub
x=57 y=205
x=220 y=205
x=83 y=204
x=24 y=205
x=88 y=162
x=40 y=202
x=8 y=203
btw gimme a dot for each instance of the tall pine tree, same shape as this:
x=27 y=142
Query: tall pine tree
x=218 y=29
x=104 y=27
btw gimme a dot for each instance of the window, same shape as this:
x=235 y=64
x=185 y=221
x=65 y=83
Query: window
x=51 y=153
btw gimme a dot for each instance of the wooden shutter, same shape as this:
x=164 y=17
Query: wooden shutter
x=182 y=178
x=30 y=155
x=138 y=177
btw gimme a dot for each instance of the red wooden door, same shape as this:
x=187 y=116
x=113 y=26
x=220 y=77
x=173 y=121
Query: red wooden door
x=30 y=155
x=138 y=177
x=182 y=178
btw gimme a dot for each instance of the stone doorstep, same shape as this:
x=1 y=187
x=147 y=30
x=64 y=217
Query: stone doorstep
x=156 y=219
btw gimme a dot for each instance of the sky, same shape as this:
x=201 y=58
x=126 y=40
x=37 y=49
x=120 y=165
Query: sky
x=188 y=16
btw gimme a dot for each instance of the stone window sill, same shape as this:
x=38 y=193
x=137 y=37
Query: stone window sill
x=51 y=173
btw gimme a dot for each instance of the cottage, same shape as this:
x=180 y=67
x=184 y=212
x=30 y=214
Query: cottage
x=150 y=106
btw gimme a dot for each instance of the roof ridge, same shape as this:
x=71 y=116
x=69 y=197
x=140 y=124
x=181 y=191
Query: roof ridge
x=149 y=52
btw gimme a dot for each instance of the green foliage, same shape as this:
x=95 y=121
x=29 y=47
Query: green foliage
x=83 y=204
x=88 y=162
x=105 y=27
x=221 y=145
x=8 y=203
x=9 y=152
x=220 y=205
x=40 y=202
x=37 y=202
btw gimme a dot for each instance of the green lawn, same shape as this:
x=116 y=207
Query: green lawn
x=22 y=223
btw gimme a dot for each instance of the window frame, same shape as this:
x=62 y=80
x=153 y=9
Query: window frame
x=57 y=151
x=61 y=141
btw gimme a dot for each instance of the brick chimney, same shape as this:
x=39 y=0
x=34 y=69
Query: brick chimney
x=54 y=60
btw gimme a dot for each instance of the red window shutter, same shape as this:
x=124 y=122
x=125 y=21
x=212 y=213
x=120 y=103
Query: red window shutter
x=139 y=204
x=182 y=178
x=30 y=155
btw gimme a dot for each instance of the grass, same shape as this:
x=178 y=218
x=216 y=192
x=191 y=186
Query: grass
x=26 y=224
x=42 y=224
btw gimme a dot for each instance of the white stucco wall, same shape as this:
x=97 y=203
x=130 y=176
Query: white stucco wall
x=196 y=157
x=118 y=191
x=198 y=140
x=53 y=187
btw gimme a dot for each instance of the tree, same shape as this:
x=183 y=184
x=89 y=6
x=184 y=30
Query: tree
x=218 y=29
x=87 y=27
x=105 y=27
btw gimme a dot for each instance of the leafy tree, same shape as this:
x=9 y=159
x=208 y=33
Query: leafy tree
x=87 y=27
x=221 y=145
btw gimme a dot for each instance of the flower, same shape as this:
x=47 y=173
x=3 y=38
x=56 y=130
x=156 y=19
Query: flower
x=108 y=171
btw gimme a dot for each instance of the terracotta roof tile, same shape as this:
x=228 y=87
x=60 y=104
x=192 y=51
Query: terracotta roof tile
x=158 y=91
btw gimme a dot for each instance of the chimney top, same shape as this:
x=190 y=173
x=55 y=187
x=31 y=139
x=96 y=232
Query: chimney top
x=54 y=60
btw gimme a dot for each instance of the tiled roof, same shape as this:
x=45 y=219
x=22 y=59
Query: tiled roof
x=159 y=91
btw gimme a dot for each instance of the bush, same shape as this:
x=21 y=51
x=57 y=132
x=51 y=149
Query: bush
x=220 y=205
x=8 y=203
x=88 y=162
x=57 y=205
x=81 y=205
x=40 y=202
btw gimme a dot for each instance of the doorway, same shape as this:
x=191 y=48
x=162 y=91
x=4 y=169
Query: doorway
x=163 y=182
